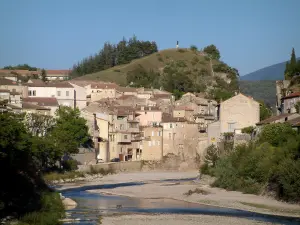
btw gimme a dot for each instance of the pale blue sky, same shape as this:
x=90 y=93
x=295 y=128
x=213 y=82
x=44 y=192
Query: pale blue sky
x=55 y=34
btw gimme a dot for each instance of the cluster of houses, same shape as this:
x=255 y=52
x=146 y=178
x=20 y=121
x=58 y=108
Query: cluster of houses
x=130 y=124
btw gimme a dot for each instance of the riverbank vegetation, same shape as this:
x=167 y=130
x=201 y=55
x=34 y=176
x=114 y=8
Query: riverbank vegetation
x=29 y=146
x=270 y=165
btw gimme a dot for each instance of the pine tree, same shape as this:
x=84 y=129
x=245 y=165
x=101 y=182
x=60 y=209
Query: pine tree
x=44 y=75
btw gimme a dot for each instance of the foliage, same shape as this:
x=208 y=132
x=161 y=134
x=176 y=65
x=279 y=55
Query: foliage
x=212 y=51
x=248 y=130
x=297 y=107
x=292 y=67
x=112 y=55
x=27 y=191
x=52 y=210
x=272 y=163
x=194 y=48
x=277 y=133
x=43 y=75
x=212 y=155
x=21 y=67
x=70 y=164
x=264 y=111
x=139 y=77
x=70 y=131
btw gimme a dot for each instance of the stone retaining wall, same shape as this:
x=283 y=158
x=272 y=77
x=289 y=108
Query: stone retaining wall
x=115 y=166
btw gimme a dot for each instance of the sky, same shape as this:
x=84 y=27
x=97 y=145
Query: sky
x=55 y=34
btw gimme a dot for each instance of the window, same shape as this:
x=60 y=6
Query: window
x=125 y=137
x=34 y=93
x=121 y=126
x=29 y=93
x=171 y=125
x=149 y=143
x=152 y=133
x=159 y=133
x=58 y=93
x=67 y=93
x=231 y=127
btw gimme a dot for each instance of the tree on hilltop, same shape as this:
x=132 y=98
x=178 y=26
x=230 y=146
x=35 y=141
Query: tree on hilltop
x=212 y=51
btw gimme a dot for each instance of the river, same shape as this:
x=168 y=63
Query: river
x=91 y=206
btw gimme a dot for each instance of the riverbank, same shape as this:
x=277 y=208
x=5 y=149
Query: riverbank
x=176 y=220
x=186 y=190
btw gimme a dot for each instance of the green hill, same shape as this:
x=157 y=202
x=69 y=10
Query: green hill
x=176 y=70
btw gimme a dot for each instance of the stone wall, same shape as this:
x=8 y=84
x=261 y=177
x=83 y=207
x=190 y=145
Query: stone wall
x=115 y=166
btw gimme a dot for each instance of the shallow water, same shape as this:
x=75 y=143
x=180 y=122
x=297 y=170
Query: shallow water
x=93 y=205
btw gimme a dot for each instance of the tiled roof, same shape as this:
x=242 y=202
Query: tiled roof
x=168 y=118
x=21 y=72
x=161 y=96
x=27 y=105
x=41 y=101
x=293 y=95
x=36 y=81
x=4 y=81
x=4 y=91
x=274 y=118
x=124 y=97
x=50 y=84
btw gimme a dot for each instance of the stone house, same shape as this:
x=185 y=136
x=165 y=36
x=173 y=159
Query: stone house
x=115 y=130
x=152 y=143
x=289 y=102
x=62 y=91
x=103 y=90
x=46 y=105
x=148 y=115
x=184 y=112
x=236 y=113
x=134 y=101
x=127 y=91
x=182 y=138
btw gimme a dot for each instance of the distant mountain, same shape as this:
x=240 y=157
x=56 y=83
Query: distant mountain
x=274 y=72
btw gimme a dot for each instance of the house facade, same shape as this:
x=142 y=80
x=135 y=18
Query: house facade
x=152 y=143
x=289 y=102
x=238 y=112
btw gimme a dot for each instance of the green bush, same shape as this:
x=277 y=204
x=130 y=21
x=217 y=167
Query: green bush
x=270 y=164
x=52 y=210
x=70 y=165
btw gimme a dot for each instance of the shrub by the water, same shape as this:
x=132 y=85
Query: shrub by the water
x=272 y=163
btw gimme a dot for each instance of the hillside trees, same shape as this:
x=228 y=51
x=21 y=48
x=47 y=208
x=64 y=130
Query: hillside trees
x=292 y=67
x=21 y=67
x=114 y=54
x=43 y=75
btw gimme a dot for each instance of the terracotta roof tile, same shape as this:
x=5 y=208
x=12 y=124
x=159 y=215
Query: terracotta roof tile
x=274 y=118
x=41 y=101
x=4 y=81
x=293 y=95
x=168 y=118
x=27 y=105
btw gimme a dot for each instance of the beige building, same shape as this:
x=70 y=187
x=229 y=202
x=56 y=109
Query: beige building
x=184 y=112
x=289 y=102
x=238 y=112
x=152 y=144
x=182 y=138
x=103 y=90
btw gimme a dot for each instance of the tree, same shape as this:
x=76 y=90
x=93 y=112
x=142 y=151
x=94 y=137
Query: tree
x=212 y=51
x=277 y=133
x=44 y=75
x=264 y=111
x=70 y=131
x=212 y=155
x=292 y=67
x=194 y=48
x=20 y=193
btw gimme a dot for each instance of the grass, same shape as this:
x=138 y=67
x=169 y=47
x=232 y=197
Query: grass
x=153 y=62
x=197 y=191
x=53 y=176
